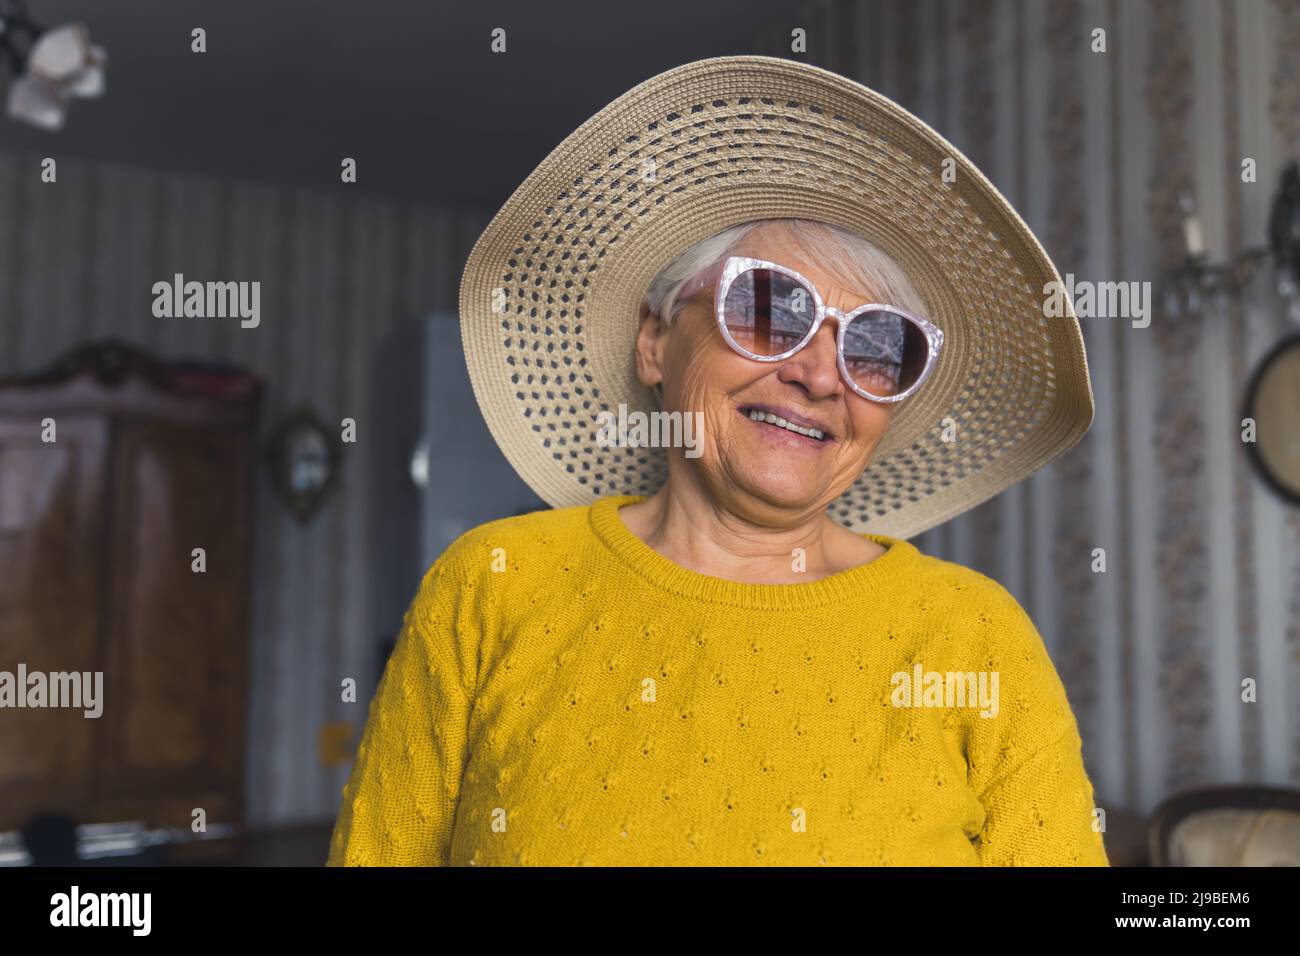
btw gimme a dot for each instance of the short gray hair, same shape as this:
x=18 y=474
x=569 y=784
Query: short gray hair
x=837 y=250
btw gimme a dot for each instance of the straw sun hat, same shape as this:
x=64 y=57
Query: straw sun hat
x=551 y=292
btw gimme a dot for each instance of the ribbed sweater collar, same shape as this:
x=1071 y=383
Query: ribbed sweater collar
x=890 y=572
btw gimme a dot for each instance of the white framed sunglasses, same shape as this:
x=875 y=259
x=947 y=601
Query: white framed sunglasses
x=768 y=312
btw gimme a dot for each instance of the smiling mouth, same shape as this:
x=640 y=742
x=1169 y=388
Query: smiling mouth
x=765 y=417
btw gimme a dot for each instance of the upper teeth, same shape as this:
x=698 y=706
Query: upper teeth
x=780 y=422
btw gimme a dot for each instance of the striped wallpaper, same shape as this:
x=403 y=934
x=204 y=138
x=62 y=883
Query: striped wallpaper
x=1202 y=585
x=77 y=261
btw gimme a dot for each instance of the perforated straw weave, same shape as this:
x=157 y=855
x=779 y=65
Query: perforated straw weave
x=550 y=295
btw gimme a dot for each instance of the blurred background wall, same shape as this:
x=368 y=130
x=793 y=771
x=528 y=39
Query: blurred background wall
x=346 y=284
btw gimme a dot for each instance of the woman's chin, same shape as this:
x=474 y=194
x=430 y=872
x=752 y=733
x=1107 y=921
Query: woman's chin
x=781 y=489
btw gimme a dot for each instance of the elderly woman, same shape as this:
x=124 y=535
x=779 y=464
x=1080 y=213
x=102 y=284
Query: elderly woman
x=750 y=665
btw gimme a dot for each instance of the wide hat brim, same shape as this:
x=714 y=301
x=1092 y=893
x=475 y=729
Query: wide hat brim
x=551 y=292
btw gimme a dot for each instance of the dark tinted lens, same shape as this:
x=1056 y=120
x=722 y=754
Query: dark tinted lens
x=768 y=312
x=884 y=352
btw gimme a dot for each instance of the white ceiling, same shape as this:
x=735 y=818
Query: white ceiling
x=409 y=87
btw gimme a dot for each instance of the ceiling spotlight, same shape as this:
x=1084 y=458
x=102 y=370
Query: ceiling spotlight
x=49 y=67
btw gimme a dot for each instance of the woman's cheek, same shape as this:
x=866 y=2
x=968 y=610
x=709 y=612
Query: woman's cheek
x=869 y=428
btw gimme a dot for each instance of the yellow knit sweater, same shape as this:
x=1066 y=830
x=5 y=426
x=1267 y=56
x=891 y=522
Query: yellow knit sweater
x=562 y=694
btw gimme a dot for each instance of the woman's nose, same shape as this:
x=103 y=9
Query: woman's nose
x=816 y=365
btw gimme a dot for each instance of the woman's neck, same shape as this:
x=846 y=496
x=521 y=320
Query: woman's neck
x=696 y=533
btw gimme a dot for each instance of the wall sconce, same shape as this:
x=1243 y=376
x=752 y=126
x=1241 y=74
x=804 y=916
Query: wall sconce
x=1198 y=278
x=49 y=67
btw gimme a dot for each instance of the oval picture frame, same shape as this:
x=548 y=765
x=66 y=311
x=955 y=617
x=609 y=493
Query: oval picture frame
x=1273 y=399
x=304 y=456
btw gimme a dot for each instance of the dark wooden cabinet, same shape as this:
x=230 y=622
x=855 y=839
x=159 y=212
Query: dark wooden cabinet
x=97 y=536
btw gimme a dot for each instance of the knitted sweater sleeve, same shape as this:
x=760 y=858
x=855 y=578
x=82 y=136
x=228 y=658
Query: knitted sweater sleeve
x=1027 y=763
x=1041 y=813
x=399 y=803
